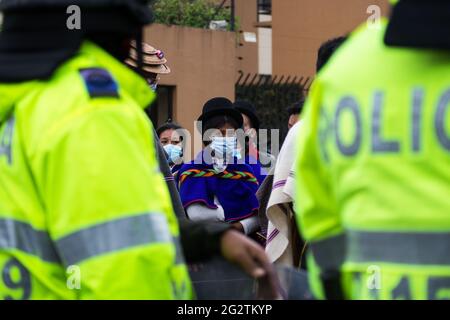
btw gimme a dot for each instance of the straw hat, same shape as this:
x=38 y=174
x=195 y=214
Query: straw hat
x=154 y=60
x=158 y=69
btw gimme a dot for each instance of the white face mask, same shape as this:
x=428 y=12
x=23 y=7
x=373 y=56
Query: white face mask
x=174 y=153
x=225 y=147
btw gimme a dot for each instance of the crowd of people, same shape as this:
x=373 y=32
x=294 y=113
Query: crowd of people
x=231 y=188
x=221 y=183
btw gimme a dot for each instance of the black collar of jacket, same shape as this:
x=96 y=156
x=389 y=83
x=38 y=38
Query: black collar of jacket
x=19 y=63
x=33 y=44
x=420 y=24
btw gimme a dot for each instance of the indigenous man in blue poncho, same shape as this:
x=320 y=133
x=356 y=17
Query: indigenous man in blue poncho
x=217 y=185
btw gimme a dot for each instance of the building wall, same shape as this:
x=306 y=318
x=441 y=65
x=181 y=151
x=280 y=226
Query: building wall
x=300 y=26
x=246 y=17
x=203 y=64
x=247 y=52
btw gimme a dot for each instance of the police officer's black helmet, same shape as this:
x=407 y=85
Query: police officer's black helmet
x=419 y=24
x=39 y=31
x=138 y=8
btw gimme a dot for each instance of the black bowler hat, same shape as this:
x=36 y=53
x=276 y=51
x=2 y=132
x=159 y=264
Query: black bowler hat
x=249 y=110
x=220 y=107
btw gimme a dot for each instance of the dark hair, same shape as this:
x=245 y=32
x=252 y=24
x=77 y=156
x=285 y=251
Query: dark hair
x=217 y=122
x=326 y=50
x=168 y=126
x=296 y=108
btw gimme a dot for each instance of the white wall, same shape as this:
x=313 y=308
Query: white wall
x=265 y=47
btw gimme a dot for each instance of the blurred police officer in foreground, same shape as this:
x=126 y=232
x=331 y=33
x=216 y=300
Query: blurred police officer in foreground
x=84 y=211
x=374 y=161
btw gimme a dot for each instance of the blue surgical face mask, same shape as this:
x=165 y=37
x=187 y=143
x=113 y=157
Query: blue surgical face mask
x=225 y=147
x=153 y=83
x=174 y=153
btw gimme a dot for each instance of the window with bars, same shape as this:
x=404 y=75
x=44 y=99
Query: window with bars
x=264 y=6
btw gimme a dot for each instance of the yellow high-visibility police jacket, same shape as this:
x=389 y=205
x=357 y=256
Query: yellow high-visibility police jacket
x=373 y=173
x=84 y=210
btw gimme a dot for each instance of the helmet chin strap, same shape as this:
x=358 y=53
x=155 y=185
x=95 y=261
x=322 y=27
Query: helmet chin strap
x=140 y=52
x=140 y=58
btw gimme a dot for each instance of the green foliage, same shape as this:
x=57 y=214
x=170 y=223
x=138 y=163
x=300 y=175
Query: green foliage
x=190 y=13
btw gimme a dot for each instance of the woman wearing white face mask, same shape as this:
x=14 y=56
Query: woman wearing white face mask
x=171 y=136
x=216 y=185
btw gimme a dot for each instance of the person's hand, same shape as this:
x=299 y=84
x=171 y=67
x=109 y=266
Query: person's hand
x=238 y=226
x=251 y=133
x=250 y=256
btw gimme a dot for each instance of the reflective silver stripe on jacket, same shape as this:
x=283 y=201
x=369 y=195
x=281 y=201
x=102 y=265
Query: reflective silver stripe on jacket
x=113 y=236
x=179 y=258
x=16 y=235
x=418 y=248
x=89 y=242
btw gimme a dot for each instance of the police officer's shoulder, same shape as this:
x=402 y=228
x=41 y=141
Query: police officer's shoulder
x=353 y=55
x=99 y=83
x=78 y=85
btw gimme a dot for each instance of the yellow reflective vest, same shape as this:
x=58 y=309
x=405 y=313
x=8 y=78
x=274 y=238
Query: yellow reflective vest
x=84 y=210
x=373 y=173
